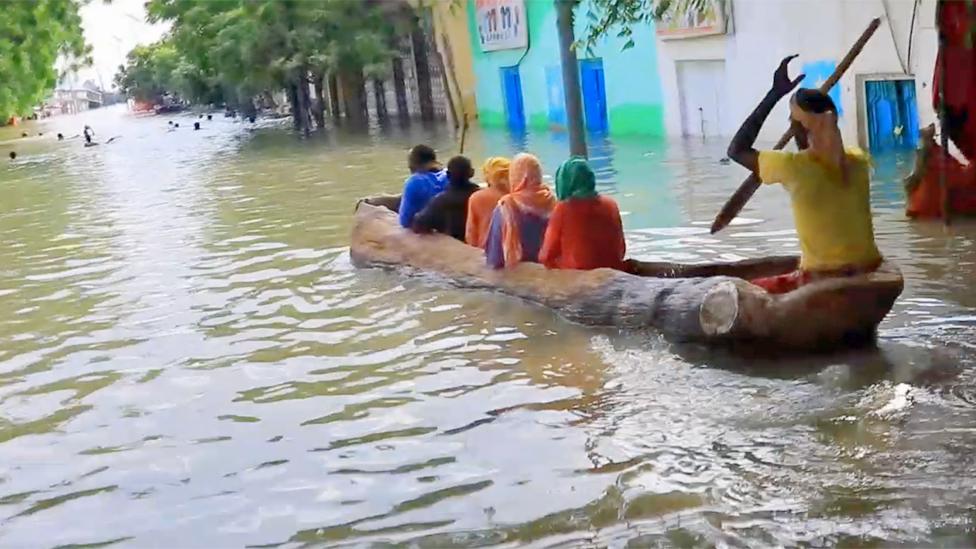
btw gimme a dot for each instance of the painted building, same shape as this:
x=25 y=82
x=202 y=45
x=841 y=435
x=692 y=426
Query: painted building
x=515 y=58
x=453 y=41
x=712 y=78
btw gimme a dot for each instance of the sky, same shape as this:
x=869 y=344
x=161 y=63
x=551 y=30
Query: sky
x=112 y=30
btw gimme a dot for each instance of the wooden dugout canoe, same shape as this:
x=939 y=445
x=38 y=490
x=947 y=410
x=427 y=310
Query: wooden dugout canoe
x=712 y=302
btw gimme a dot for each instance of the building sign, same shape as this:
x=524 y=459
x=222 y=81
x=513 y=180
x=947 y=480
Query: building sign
x=501 y=24
x=692 y=18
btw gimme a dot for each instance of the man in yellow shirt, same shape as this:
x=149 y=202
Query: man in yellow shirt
x=829 y=185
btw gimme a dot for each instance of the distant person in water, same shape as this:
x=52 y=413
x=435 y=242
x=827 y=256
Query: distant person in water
x=447 y=212
x=177 y=125
x=250 y=119
x=196 y=125
x=482 y=203
x=584 y=231
x=60 y=137
x=426 y=180
x=209 y=117
x=24 y=134
x=201 y=117
x=13 y=155
x=518 y=224
x=170 y=122
x=89 y=133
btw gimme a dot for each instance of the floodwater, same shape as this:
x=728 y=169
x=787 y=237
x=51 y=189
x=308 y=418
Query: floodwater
x=188 y=359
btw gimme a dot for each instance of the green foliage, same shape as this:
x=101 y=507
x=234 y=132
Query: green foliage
x=34 y=34
x=247 y=47
x=607 y=16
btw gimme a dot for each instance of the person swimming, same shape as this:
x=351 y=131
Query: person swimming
x=196 y=126
x=209 y=117
x=60 y=137
x=13 y=155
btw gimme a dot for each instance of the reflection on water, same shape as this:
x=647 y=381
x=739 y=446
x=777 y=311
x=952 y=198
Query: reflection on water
x=189 y=359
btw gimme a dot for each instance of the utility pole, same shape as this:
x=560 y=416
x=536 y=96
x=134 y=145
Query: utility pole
x=571 y=84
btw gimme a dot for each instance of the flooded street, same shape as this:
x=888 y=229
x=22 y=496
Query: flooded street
x=189 y=359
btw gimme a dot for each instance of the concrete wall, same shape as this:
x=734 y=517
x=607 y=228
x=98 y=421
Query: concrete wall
x=454 y=42
x=762 y=32
x=634 y=96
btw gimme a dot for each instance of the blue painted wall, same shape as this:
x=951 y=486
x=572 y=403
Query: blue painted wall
x=633 y=89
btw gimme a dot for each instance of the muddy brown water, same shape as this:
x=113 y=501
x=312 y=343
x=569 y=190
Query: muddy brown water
x=187 y=358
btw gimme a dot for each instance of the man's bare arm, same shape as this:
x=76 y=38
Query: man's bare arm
x=741 y=148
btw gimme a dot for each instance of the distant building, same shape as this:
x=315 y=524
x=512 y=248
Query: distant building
x=701 y=70
x=515 y=49
x=717 y=62
x=70 y=98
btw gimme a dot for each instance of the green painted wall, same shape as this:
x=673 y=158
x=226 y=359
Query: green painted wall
x=633 y=88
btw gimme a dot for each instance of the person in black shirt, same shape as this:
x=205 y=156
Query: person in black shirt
x=447 y=212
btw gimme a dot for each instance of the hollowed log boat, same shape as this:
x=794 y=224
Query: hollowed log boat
x=711 y=303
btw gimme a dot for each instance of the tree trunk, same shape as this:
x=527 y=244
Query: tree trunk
x=379 y=94
x=296 y=116
x=318 y=106
x=334 y=107
x=400 y=87
x=571 y=84
x=304 y=101
x=424 y=89
x=353 y=99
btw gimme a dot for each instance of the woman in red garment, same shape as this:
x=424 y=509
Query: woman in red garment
x=954 y=92
x=585 y=231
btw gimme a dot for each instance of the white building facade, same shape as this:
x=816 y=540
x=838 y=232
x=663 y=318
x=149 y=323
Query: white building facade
x=712 y=82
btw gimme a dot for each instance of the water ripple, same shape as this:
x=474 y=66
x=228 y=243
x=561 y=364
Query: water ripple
x=190 y=358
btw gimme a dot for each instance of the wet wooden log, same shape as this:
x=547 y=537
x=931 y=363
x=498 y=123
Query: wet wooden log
x=708 y=308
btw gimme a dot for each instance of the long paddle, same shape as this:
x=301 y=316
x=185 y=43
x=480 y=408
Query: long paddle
x=749 y=186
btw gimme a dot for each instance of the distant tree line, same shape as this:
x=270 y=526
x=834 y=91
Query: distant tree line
x=239 y=52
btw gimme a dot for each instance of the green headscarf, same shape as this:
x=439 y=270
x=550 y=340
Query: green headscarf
x=575 y=179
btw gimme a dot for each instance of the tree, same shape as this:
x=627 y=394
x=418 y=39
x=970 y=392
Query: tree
x=254 y=46
x=34 y=35
x=620 y=16
x=571 y=84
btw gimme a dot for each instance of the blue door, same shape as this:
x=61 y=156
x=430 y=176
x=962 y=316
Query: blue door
x=512 y=92
x=594 y=94
x=557 y=99
x=892 y=113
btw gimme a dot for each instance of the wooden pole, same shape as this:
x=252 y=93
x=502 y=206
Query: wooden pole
x=571 y=82
x=749 y=186
x=944 y=135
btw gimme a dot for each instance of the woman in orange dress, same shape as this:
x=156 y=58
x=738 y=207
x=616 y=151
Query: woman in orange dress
x=482 y=203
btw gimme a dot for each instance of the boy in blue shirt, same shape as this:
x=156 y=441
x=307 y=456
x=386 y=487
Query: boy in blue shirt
x=426 y=180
